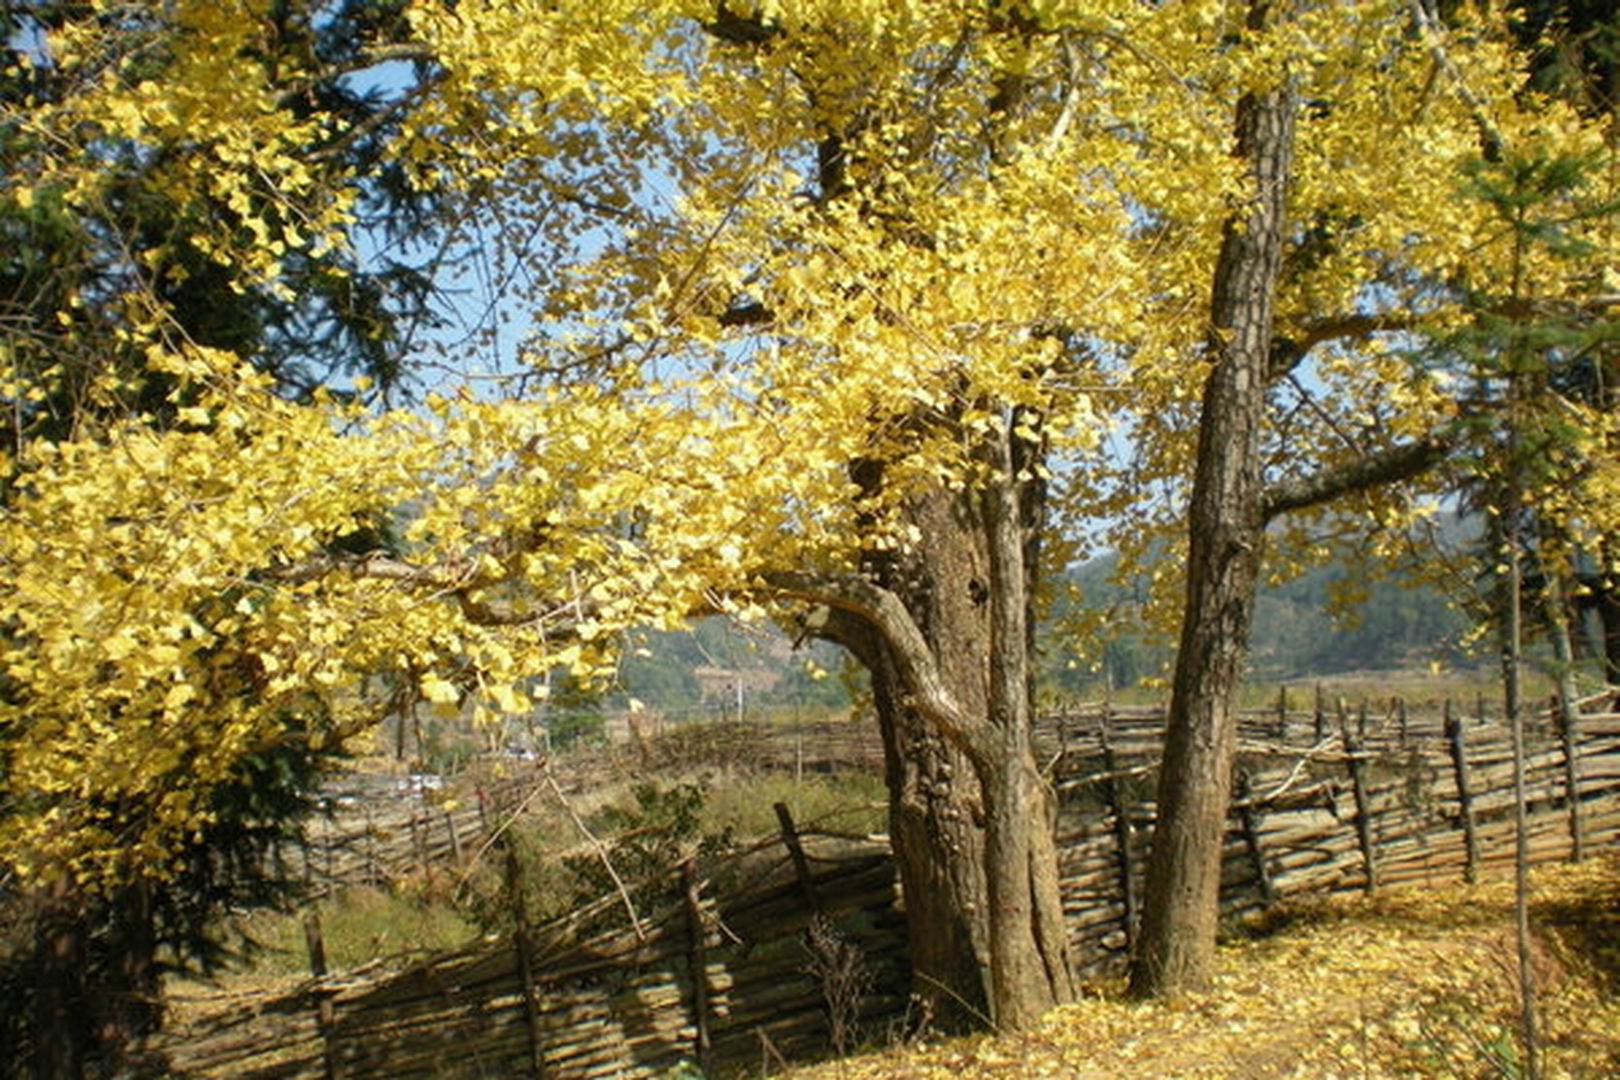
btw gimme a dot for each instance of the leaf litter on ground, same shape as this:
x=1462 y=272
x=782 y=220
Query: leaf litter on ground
x=1419 y=981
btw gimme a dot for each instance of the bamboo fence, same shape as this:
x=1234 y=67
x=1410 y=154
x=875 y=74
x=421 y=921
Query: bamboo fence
x=1327 y=798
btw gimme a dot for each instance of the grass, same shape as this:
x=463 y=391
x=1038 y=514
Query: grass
x=849 y=802
x=365 y=925
x=1412 y=983
x=358 y=926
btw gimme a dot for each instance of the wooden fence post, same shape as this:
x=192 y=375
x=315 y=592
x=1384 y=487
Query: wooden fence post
x=1061 y=772
x=698 y=962
x=1402 y=719
x=1568 y=719
x=801 y=863
x=1122 y=836
x=1320 y=715
x=1361 y=720
x=419 y=844
x=1249 y=817
x=455 y=838
x=525 y=958
x=1282 y=713
x=1358 y=783
x=1465 y=798
x=325 y=1013
x=372 y=875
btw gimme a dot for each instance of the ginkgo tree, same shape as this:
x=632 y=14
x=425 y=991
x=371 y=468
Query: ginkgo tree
x=99 y=238
x=1035 y=211
x=1313 y=418
x=829 y=308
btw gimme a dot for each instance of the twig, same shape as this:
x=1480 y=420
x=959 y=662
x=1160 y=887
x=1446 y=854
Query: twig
x=990 y=1025
x=1490 y=138
x=1293 y=775
x=495 y=835
x=601 y=853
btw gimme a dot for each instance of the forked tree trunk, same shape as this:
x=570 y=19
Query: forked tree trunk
x=973 y=839
x=1176 y=948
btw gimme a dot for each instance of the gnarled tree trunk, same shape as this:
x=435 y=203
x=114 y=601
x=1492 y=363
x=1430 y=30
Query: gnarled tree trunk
x=971 y=818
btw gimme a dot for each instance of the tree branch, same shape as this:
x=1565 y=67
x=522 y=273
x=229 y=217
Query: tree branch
x=746 y=313
x=383 y=116
x=736 y=29
x=1490 y=138
x=415 y=51
x=883 y=611
x=1288 y=352
x=1386 y=466
x=448 y=581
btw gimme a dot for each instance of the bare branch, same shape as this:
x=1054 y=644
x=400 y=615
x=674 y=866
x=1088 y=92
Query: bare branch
x=417 y=51
x=1490 y=139
x=448 y=581
x=1288 y=352
x=601 y=852
x=1293 y=777
x=377 y=120
x=1387 y=466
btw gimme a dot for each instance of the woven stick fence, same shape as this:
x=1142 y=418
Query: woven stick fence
x=401 y=833
x=1330 y=798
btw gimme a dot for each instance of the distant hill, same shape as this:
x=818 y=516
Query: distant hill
x=705 y=670
x=1400 y=622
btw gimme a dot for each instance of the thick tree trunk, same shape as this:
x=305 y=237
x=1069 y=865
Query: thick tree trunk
x=60 y=1033
x=974 y=844
x=1177 y=944
x=125 y=1007
x=936 y=826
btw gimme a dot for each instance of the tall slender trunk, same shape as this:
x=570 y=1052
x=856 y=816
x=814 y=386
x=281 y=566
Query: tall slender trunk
x=1509 y=527
x=1569 y=713
x=1030 y=969
x=1513 y=705
x=1177 y=943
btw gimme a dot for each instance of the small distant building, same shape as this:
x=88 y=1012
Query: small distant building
x=720 y=686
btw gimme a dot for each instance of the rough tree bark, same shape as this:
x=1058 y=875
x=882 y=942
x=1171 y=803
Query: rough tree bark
x=60 y=1032
x=936 y=813
x=1177 y=943
x=126 y=1001
x=970 y=815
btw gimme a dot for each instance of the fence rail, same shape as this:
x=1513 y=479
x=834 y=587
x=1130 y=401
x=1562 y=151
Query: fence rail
x=1329 y=798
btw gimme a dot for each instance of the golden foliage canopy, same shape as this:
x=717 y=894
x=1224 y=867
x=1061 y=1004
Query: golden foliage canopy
x=754 y=244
